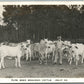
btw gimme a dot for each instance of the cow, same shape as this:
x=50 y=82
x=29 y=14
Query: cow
x=12 y=52
x=27 y=49
x=67 y=53
x=77 y=52
x=49 y=48
x=40 y=48
x=74 y=51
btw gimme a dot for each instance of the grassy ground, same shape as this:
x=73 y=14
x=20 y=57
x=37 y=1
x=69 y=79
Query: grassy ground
x=34 y=69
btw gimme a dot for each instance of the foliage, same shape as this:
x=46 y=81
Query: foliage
x=42 y=21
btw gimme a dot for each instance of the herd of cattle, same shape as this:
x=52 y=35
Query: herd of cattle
x=42 y=50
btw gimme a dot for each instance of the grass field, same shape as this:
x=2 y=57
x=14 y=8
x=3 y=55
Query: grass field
x=34 y=69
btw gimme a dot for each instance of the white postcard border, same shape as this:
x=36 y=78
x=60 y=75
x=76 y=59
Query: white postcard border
x=42 y=80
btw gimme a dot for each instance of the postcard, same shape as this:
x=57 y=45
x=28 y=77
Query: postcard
x=42 y=42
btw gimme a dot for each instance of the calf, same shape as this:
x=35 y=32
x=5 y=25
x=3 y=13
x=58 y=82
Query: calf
x=12 y=52
x=27 y=50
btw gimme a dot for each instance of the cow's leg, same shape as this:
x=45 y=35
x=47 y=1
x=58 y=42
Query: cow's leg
x=53 y=54
x=34 y=54
x=19 y=64
x=82 y=60
x=27 y=55
x=46 y=58
x=0 y=65
x=70 y=61
x=75 y=56
x=74 y=59
x=82 y=57
x=2 y=62
x=41 y=58
x=30 y=55
x=69 y=57
x=77 y=59
x=76 y=62
x=16 y=62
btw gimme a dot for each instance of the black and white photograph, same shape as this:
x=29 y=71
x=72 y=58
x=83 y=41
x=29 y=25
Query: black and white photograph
x=42 y=41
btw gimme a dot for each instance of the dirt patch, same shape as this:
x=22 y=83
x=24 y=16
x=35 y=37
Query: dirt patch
x=34 y=69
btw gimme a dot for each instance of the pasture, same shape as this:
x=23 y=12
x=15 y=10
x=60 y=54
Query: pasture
x=34 y=70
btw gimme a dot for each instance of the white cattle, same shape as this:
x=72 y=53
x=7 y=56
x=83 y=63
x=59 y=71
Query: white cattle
x=50 y=49
x=35 y=49
x=46 y=40
x=40 y=48
x=28 y=52
x=12 y=44
x=12 y=52
x=27 y=49
x=67 y=43
x=67 y=53
x=28 y=41
x=77 y=51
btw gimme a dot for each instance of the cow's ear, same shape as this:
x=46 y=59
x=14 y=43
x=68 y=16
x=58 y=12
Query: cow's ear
x=76 y=47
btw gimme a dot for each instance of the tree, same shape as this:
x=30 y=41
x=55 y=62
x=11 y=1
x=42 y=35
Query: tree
x=44 y=21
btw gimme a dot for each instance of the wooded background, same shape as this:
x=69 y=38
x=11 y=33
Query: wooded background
x=42 y=21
